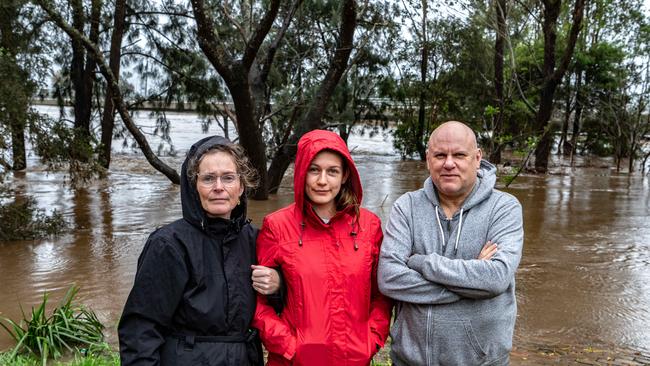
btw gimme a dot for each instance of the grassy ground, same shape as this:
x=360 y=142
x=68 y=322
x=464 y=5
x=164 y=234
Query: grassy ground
x=106 y=359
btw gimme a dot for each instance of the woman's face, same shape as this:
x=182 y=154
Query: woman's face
x=218 y=184
x=325 y=175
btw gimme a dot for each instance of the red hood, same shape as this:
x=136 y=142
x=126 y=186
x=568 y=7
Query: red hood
x=309 y=146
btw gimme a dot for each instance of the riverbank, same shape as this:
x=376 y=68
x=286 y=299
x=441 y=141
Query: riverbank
x=524 y=353
x=541 y=353
x=546 y=352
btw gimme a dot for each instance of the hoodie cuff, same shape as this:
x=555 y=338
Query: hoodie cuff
x=416 y=262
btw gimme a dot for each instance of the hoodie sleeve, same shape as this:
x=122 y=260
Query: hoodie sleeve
x=158 y=288
x=380 y=305
x=274 y=331
x=481 y=278
x=396 y=280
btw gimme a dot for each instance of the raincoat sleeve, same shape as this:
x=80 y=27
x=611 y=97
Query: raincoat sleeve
x=158 y=288
x=481 y=278
x=396 y=280
x=380 y=305
x=275 y=332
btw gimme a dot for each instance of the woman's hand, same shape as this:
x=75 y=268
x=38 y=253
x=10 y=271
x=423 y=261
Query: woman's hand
x=489 y=249
x=266 y=280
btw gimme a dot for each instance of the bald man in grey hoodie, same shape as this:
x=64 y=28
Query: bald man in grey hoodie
x=449 y=258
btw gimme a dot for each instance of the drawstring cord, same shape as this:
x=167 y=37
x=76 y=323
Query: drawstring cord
x=442 y=233
x=302 y=230
x=353 y=233
x=460 y=226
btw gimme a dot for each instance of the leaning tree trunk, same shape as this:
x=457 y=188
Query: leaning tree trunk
x=108 y=118
x=313 y=117
x=112 y=84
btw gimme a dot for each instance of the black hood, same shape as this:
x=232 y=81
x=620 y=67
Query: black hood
x=192 y=210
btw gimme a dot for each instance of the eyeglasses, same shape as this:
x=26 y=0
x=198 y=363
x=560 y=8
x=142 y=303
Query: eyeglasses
x=209 y=180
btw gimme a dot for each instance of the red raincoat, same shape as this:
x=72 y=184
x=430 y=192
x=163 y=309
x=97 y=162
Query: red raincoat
x=334 y=313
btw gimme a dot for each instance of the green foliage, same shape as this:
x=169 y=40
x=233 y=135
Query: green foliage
x=70 y=327
x=22 y=220
x=101 y=355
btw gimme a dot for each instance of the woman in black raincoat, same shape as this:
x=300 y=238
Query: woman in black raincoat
x=193 y=300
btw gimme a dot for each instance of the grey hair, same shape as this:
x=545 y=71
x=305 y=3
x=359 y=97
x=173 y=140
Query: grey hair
x=247 y=174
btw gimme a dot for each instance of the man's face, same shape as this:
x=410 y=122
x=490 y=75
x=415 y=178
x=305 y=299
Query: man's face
x=453 y=161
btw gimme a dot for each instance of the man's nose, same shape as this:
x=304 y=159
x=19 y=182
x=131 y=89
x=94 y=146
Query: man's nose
x=449 y=162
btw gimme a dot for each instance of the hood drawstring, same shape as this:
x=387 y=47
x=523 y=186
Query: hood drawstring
x=442 y=233
x=354 y=233
x=302 y=230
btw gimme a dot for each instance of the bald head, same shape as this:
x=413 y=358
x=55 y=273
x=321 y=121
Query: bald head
x=453 y=130
x=453 y=160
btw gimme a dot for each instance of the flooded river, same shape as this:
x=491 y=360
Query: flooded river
x=584 y=277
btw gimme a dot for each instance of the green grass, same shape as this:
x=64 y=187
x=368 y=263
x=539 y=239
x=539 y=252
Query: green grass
x=67 y=330
x=101 y=355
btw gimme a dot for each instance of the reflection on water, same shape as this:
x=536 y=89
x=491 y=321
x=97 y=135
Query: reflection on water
x=584 y=276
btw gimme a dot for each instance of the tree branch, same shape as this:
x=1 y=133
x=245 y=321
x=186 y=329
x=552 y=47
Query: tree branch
x=112 y=83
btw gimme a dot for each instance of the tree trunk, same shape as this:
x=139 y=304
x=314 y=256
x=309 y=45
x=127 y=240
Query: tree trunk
x=81 y=99
x=18 y=145
x=237 y=76
x=562 y=144
x=570 y=147
x=108 y=118
x=424 y=66
x=645 y=160
x=553 y=76
x=314 y=115
x=499 y=46
x=16 y=113
x=82 y=76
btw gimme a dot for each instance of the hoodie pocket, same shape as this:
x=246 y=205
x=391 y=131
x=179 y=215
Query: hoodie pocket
x=455 y=343
x=409 y=335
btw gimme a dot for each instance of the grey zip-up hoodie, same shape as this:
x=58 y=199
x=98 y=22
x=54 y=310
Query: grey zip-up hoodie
x=452 y=309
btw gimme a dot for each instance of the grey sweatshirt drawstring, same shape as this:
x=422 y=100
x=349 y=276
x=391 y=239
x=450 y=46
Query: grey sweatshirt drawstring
x=442 y=233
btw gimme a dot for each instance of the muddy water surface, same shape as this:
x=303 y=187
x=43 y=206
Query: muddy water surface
x=584 y=276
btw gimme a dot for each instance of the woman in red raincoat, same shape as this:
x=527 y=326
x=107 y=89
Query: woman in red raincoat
x=327 y=248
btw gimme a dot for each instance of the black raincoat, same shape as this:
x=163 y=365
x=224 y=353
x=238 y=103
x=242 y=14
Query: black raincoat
x=192 y=300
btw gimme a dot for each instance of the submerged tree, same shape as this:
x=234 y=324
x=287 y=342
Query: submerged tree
x=552 y=73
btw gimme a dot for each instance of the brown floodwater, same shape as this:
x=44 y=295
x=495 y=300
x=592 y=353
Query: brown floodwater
x=584 y=277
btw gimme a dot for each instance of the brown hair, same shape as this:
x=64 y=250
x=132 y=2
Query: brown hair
x=346 y=196
x=247 y=174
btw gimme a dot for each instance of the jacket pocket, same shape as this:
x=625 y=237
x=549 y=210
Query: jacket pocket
x=455 y=343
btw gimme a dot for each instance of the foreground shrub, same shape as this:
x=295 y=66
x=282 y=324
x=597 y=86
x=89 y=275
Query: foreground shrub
x=22 y=220
x=69 y=328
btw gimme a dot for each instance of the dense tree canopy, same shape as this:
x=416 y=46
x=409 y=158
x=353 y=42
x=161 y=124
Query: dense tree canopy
x=569 y=76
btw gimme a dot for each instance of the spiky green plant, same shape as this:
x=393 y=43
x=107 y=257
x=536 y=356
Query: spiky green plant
x=68 y=327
